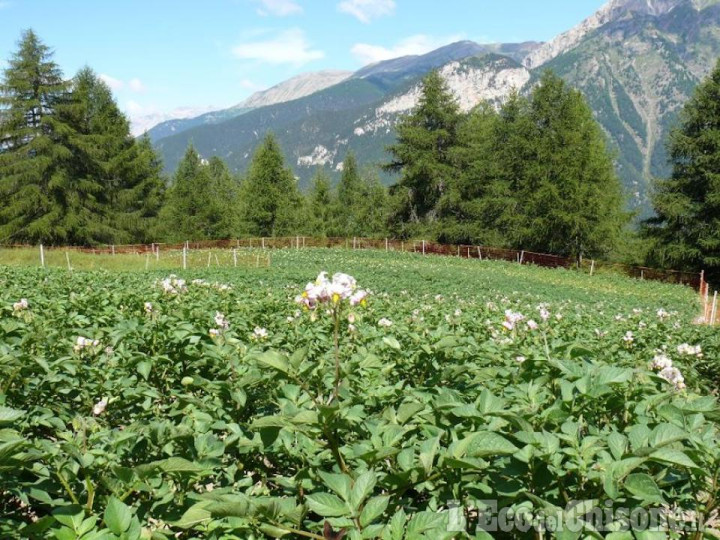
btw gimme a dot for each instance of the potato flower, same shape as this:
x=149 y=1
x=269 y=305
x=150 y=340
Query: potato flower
x=674 y=377
x=21 y=305
x=331 y=291
x=99 y=407
x=84 y=343
x=386 y=323
x=259 y=334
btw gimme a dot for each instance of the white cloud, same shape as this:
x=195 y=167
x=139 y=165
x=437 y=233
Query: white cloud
x=136 y=85
x=112 y=82
x=417 y=44
x=288 y=47
x=280 y=8
x=143 y=117
x=366 y=10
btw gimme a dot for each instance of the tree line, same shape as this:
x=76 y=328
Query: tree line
x=534 y=173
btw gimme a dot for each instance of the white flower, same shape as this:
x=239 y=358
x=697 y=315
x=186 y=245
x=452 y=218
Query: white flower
x=600 y=333
x=689 y=350
x=458 y=312
x=387 y=323
x=351 y=318
x=351 y=328
x=85 y=343
x=508 y=325
x=220 y=321
x=512 y=318
x=628 y=337
x=173 y=285
x=544 y=314
x=259 y=333
x=520 y=359
x=21 y=305
x=148 y=307
x=673 y=376
x=214 y=332
x=662 y=314
x=660 y=362
x=358 y=297
x=558 y=317
x=532 y=325
x=438 y=297
x=99 y=407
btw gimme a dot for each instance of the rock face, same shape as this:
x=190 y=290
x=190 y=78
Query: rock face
x=636 y=62
x=296 y=87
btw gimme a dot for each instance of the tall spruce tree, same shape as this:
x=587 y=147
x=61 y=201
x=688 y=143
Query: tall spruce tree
x=422 y=153
x=571 y=199
x=184 y=216
x=686 y=229
x=349 y=199
x=320 y=205
x=37 y=193
x=271 y=202
x=123 y=176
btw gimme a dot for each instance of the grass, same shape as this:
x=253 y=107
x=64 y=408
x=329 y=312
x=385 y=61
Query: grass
x=164 y=260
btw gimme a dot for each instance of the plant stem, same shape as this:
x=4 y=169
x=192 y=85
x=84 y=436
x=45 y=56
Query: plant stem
x=65 y=484
x=298 y=532
x=336 y=317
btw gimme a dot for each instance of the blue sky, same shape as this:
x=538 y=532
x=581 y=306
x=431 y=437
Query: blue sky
x=163 y=55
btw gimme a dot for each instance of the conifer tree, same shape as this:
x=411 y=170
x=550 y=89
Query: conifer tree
x=686 y=229
x=35 y=160
x=272 y=205
x=184 y=216
x=373 y=206
x=349 y=193
x=320 y=205
x=571 y=198
x=422 y=152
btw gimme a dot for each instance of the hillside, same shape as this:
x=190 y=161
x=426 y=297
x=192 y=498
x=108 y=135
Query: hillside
x=636 y=61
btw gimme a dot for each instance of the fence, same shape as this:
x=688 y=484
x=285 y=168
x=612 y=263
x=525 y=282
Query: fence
x=694 y=280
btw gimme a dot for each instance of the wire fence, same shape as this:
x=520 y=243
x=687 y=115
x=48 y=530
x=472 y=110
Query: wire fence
x=185 y=254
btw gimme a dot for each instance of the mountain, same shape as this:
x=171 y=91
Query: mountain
x=636 y=61
x=294 y=88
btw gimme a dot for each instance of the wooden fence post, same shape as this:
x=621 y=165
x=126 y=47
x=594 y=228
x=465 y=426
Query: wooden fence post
x=423 y=247
x=209 y=258
x=113 y=250
x=522 y=256
x=184 y=257
x=263 y=242
x=714 y=309
x=42 y=256
x=592 y=267
x=386 y=244
x=235 y=258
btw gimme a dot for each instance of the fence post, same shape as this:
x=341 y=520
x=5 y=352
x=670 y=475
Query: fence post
x=257 y=260
x=714 y=309
x=235 y=257
x=386 y=244
x=113 y=250
x=184 y=257
x=209 y=258
x=423 y=247
x=263 y=242
x=297 y=242
x=479 y=253
x=354 y=242
x=67 y=258
x=458 y=251
x=157 y=253
x=42 y=256
x=592 y=267
x=522 y=256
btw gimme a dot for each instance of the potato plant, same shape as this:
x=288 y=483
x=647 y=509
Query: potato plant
x=241 y=404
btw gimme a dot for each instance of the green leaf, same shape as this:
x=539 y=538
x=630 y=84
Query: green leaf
x=193 y=516
x=428 y=450
x=362 y=488
x=392 y=342
x=274 y=360
x=180 y=465
x=489 y=443
x=665 y=434
x=617 y=444
x=327 y=505
x=643 y=487
x=143 y=368
x=339 y=483
x=676 y=457
x=8 y=415
x=373 y=509
x=117 y=516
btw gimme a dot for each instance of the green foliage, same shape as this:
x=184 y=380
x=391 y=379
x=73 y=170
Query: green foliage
x=685 y=232
x=272 y=205
x=70 y=172
x=320 y=205
x=234 y=436
x=422 y=152
x=202 y=202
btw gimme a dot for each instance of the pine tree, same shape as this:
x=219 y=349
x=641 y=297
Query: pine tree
x=686 y=229
x=124 y=188
x=184 y=216
x=223 y=210
x=37 y=195
x=373 y=207
x=571 y=199
x=349 y=193
x=272 y=205
x=422 y=153
x=320 y=205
